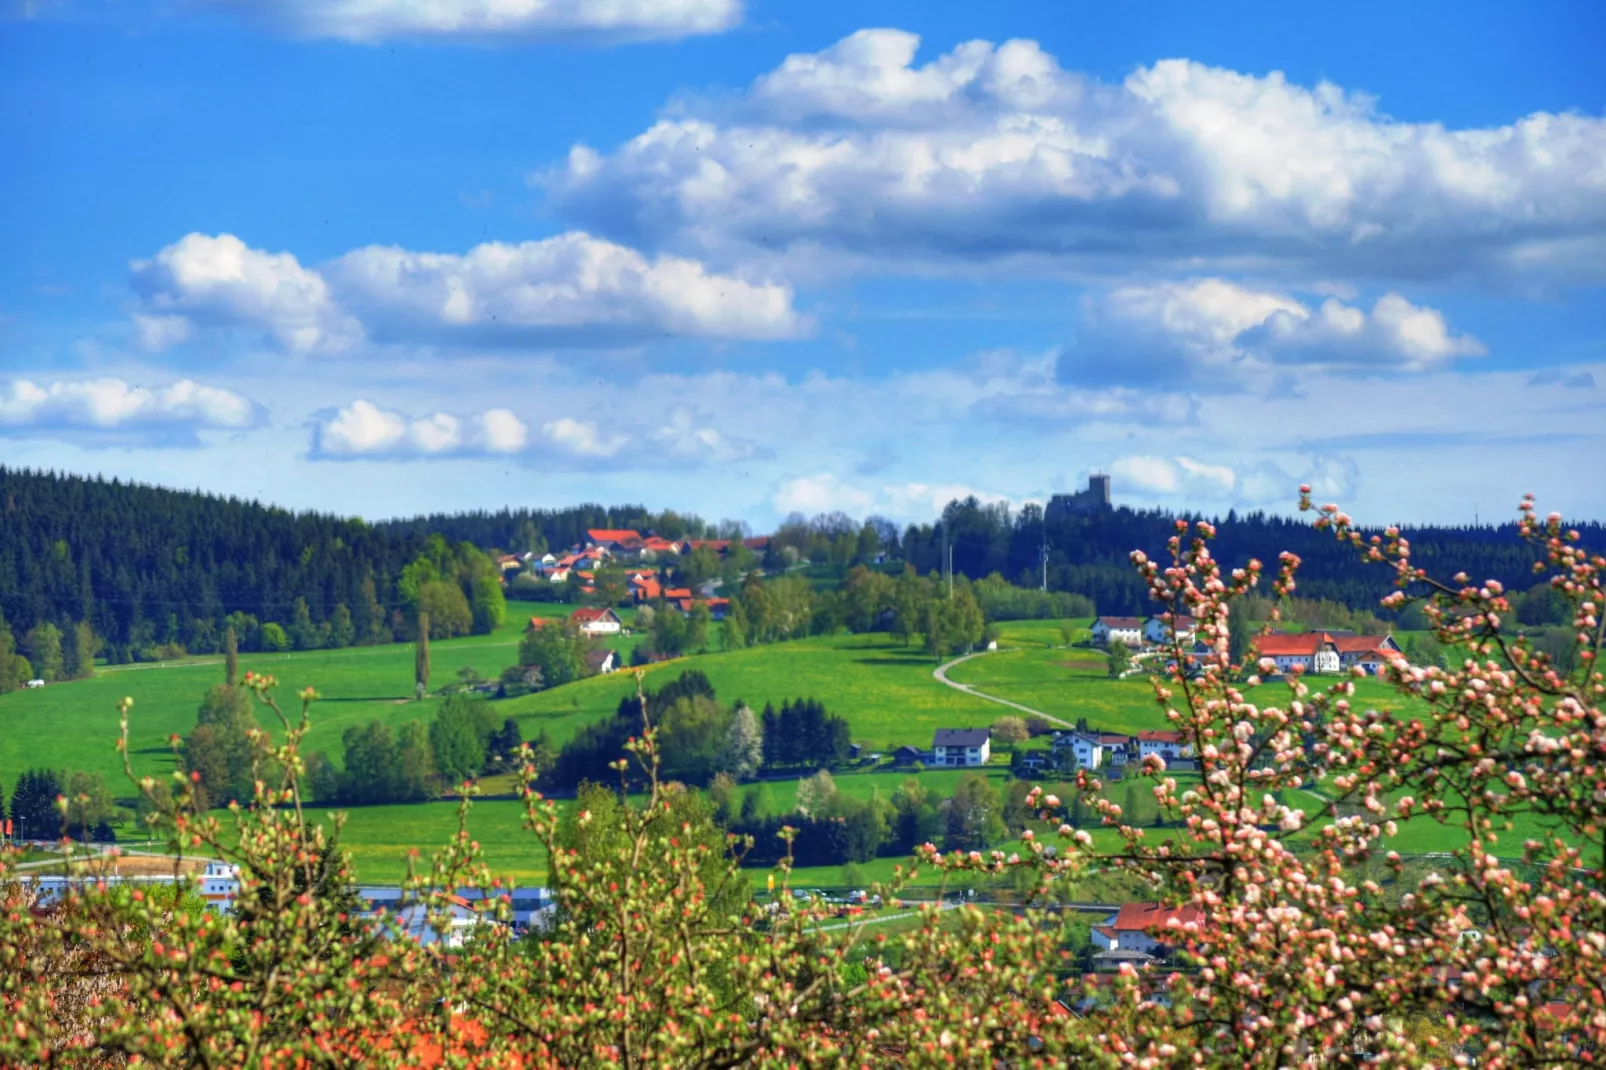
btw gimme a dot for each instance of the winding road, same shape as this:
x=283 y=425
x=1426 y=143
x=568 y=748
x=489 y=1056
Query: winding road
x=941 y=673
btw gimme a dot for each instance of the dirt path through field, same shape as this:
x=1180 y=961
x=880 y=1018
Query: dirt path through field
x=941 y=673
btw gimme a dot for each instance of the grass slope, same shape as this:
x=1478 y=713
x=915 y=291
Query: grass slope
x=885 y=690
x=73 y=725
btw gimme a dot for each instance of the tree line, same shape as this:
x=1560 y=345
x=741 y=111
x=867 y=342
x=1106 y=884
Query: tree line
x=700 y=739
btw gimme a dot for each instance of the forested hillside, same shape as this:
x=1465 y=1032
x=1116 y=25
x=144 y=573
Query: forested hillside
x=128 y=571
x=145 y=566
x=1088 y=554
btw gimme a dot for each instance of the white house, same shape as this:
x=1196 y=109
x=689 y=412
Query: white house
x=961 y=746
x=220 y=883
x=1086 y=746
x=1128 y=630
x=595 y=621
x=1156 y=630
x=1167 y=745
x=1140 y=927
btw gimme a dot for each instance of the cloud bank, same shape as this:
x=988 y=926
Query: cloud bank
x=572 y=290
x=112 y=408
x=997 y=154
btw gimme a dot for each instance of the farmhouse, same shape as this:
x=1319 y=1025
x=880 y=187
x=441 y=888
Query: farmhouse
x=1128 y=630
x=961 y=746
x=614 y=539
x=1156 y=630
x=645 y=588
x=1129 y=929
x=1167 y=745
x=1325 y=652
x=596 y=621
x=1096 y=749
x=1089 y=752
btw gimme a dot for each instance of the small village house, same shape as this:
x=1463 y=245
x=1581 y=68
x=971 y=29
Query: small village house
x=1166 y=744
x=1156 y=630
x=1326 y=653
x=1133 y=927
x=961 y=747
x=1128 y=630
x=596 y=620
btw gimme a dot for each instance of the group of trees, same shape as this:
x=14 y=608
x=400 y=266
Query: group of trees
x=803 y=733
x=833 y=827
x=456 y=590
x=34 y=814
x=46 y=653
x=413 y=762
x=700 y=739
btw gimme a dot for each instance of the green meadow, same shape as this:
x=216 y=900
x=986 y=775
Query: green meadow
x=73 y=725
x=886 y=690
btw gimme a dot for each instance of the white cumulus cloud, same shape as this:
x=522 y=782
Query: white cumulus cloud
x=583 y=439
x=572 y=289
x=109 y=405
x=1212 y=330
x=368 y=21
x=221 y=281
x=996 y=153
x=364 y=429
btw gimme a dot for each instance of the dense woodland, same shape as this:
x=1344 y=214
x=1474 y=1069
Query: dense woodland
x=129 y=572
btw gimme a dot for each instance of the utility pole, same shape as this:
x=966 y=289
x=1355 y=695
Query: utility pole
x=950 y=573
x=1044 y=554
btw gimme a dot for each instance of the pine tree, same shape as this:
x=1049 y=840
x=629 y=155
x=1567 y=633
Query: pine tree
x=231 y=658
x=421 y=657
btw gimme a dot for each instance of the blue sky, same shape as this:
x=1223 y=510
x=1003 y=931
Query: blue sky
x=749 y=258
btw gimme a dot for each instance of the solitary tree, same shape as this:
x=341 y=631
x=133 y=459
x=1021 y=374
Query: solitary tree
x=421 y=657
x=1118 y=659
x=743 y=750
x=231 y=657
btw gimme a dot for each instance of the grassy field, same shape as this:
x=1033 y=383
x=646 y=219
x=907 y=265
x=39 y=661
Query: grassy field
x=885 y=690
x=73 y=725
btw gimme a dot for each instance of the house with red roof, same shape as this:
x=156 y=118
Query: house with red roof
x=1144 y=927
x=1324 y=652
x=1167 y=745
x=614 y=539
x=645 y=588
x=1128 y=630
x=596 y=620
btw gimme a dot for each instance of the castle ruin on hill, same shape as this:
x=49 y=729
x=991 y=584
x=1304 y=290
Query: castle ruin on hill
x=1095 y=499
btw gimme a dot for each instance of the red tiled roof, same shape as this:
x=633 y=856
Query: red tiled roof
x=1136 y=917
x=540 y=622
x=647 y=587
x=1121 y=623
x=1273 y=646
x=1161 y=737
x=655 y=543
x=587 y=614
x=761 y=542
x=1106 y=932
x=678 y=592
x=613 y=535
